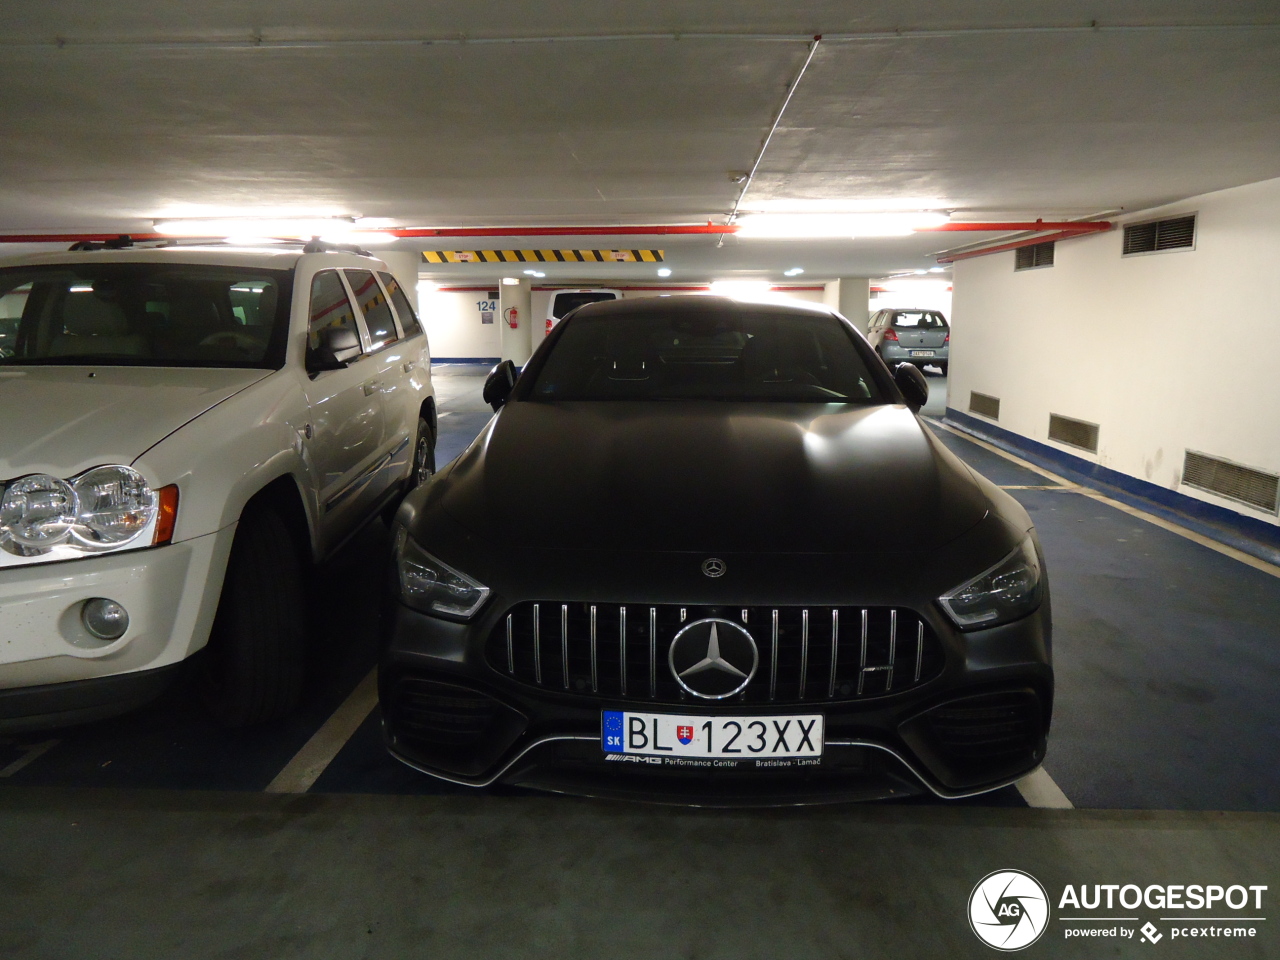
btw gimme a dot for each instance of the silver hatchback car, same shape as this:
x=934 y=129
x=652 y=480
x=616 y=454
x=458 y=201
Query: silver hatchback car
x=921 y=337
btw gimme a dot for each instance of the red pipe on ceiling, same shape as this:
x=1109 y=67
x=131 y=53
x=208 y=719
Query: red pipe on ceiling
x=1015 y=244
x=1070 y=228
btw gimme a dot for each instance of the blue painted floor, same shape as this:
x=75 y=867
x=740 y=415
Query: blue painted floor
x=1167 y=656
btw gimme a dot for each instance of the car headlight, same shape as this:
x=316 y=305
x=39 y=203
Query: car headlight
x=431 y=585
x=116 y=505
x=45 y=518
x=38 y=511
x=1008 y=591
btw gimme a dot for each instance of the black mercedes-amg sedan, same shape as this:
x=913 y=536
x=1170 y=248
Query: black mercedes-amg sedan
x=706 y=552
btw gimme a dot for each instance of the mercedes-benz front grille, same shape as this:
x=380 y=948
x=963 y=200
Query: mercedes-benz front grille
x=809 y=654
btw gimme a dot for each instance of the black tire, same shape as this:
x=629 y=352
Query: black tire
x=424 y=455
x=252 y=669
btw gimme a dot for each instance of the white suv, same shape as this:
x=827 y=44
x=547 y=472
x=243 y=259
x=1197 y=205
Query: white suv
x=184 y=431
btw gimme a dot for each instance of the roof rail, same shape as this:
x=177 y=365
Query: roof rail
x=119 y=243
x=316 y=245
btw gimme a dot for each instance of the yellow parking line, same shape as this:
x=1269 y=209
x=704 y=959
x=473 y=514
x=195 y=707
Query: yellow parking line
x=318 y=752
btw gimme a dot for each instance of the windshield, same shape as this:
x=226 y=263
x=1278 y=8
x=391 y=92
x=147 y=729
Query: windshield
x=687 y=354
x=919 y=320
x=143 y=314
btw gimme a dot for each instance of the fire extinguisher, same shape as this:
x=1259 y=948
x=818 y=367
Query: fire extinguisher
x=512 y=316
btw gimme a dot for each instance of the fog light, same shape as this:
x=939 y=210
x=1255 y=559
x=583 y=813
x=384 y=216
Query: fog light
x=104 y=618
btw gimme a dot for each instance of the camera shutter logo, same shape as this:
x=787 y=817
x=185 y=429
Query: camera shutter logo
x=1008 y=910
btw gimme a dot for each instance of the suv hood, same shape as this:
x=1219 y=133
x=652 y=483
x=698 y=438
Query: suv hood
x=63 y=420
x=710 y=476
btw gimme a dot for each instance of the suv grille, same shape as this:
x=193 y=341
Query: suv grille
x=809 y=654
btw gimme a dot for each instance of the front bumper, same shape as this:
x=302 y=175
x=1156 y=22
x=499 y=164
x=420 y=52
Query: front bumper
x=171 y=594
x=447 y=712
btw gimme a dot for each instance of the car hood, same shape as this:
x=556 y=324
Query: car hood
x=63 y=420
x=710 y=477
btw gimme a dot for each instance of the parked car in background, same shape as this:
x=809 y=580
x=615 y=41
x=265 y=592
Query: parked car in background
x=186 y=430
x=919 y=337
x=564 y=301
x=666 y=570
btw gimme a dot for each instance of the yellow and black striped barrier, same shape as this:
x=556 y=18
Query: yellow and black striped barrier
x=542 y=256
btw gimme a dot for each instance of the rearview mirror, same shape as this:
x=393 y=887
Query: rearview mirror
x=914 y=387
x=338 y=347
x=497 y=386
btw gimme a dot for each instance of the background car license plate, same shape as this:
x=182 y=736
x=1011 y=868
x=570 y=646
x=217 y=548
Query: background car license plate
x=922 y=353
x=672 y=735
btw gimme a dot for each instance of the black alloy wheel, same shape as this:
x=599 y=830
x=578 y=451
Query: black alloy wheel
x=424 y=455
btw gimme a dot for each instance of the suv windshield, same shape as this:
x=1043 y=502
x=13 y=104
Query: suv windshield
x=687 y=354
x=564 y=302
x=144 y=314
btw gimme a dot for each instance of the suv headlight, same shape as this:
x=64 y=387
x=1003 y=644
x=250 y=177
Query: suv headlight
x=431 y=585
x=1008 y=591
x=45 y=518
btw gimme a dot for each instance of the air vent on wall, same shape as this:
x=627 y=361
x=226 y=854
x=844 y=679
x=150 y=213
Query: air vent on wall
x=1231 y=480
x=984 y=405
x=1075 y=433
x=1173 y=234
x=1036 y=255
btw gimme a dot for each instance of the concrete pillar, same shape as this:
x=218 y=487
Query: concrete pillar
x=851 y=296
x=404 y=267
x=517 y=344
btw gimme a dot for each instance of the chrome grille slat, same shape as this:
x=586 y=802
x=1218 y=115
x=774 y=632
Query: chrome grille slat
x=653 y=652
x=804 y=649
x=919 y=650
x=773 y=671
x=537 y=647
x=564 y=642
x=622 y=646
x=595 y=676
x=884 y=652
x=862 y=658
x=835 y=653
x=893 y=647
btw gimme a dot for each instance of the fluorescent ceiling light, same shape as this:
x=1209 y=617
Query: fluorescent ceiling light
x=664 y=271
x=793 y=272
x=534 y=273
x=937 y=269
x=908 y=205
x=751 y=291
x=257 y=227
x=835 y=225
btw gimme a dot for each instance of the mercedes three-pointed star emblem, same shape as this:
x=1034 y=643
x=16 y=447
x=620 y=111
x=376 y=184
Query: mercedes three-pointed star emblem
x=713 y=658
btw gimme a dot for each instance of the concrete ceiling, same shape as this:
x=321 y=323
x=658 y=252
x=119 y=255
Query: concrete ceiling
x=601 y=114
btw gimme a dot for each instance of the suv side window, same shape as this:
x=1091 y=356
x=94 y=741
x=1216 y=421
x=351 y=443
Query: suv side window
x=330 y=307
x=378 y=318
x=404 y=309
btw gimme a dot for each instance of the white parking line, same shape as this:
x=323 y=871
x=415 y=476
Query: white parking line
x=1039 y=790
x=1222 y=548
x=32 y=753
x=317 y=753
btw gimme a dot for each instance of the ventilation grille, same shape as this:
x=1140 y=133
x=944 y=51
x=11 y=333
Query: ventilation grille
x=987 y=729
x=1179 y=232
x=1231 y=480
x=984 y=405
x=1075 y=433
x=1036 y=255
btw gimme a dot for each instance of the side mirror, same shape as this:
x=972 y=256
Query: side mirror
x=338 y=347
x=914 y=387
x=498 y=385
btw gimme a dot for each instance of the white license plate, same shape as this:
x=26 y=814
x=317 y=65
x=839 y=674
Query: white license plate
x=743 y=738
x=922 y=353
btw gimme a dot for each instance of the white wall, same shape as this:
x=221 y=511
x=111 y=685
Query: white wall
x=1166 y=351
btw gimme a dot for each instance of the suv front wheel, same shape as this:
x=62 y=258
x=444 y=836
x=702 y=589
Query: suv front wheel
x=253 y=666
